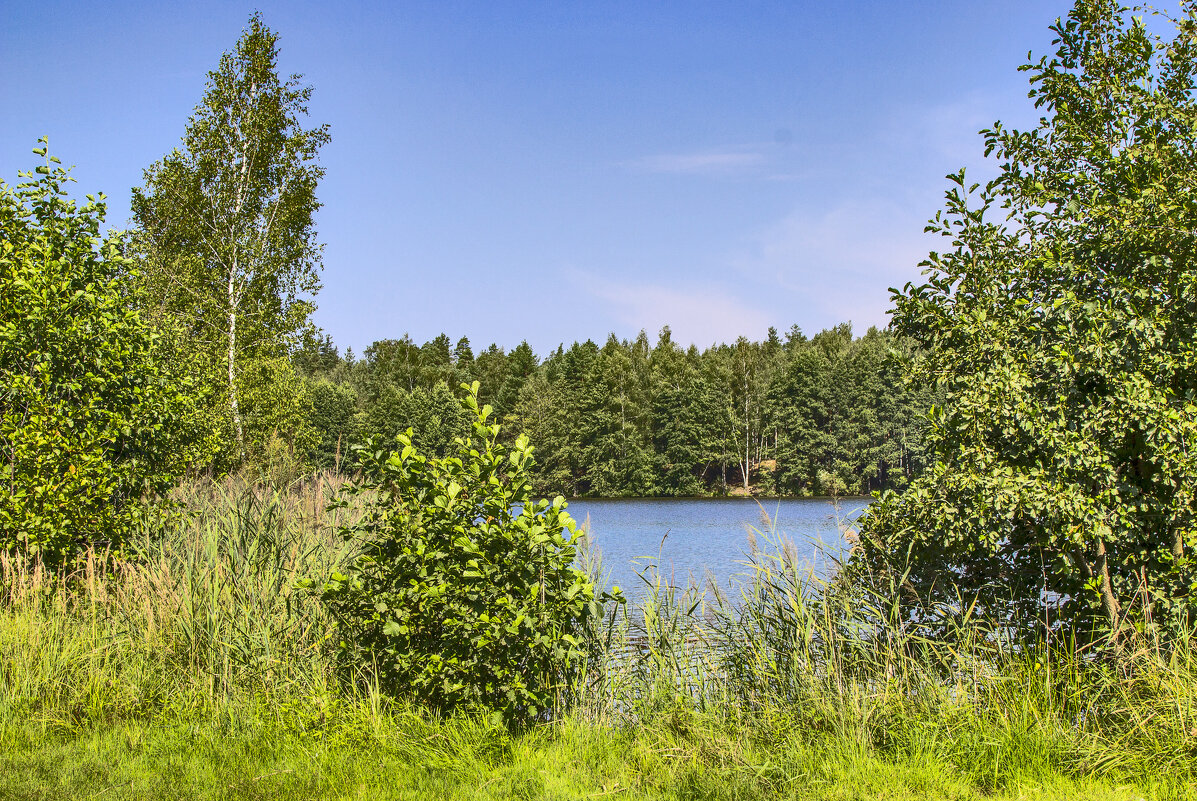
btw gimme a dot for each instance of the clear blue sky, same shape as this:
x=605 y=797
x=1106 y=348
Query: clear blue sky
x=555 y=171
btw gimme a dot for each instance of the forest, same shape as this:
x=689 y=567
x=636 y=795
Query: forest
x=825 y=415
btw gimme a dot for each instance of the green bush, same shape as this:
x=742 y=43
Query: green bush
x=463 y=595
x=93 y=415
x=333 y=419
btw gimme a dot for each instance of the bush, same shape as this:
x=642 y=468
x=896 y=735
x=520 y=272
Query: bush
x=93 y=416
x=463 y=595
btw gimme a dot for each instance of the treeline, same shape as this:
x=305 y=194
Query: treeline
x=829 y=414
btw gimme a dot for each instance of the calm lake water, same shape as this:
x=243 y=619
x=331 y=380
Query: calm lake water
x=690 y=539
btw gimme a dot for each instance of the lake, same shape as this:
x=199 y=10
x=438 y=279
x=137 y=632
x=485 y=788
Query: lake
x=693 y=538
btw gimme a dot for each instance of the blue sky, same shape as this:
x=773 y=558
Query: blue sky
x=557 y=171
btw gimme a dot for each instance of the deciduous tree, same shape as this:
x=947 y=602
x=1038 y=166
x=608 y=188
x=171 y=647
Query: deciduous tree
x=226 y=220
x=1060 y=327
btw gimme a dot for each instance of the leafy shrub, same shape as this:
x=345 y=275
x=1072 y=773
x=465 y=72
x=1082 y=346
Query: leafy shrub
x=463 y=594
x=1059 y=330
x=93 y=416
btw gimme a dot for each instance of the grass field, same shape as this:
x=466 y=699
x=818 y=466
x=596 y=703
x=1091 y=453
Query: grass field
x=195 y=670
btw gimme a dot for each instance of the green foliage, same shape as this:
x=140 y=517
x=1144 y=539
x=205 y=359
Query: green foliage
x=93 y=416
x=333 y=419
x=316 y=356
x=613 y=419
x=518 y=366
x=276 y=406
x=226 y=224
x=632 y=419
x=464 y=595
x=434 y=417
x=845 y=421
x=541 y=415
x=685 y=414
x=1060 y=329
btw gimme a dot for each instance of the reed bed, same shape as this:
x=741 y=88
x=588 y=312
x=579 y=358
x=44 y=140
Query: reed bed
x=199 y=608
x=789 y=682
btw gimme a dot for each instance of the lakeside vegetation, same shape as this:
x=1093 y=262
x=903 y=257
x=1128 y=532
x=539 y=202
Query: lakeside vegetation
x=187 y=608
x=197 y=670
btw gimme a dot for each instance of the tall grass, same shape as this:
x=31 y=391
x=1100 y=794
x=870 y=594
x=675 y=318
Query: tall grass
x=765 y=686
x=202 y=608
x=846 y=666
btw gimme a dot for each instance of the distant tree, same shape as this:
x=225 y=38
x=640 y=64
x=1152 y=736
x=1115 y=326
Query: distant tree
x=316 y=354
x=490 y=368
x=803 y=407
x=612 y=413
x=741 y=372
x=682 y=425
x=334 y=422
x=519 y=366
x=226 y=222
x=436 y=363
x=799 y=416
x=435 y=415
x=392 y=362
x=463 y=361
x=276 y=409
x=888 y=418
x=543 y=414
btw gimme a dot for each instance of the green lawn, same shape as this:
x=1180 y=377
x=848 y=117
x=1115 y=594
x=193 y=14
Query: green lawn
x=408 y=756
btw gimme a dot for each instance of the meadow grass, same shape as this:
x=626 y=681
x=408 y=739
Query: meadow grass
x=192 y=668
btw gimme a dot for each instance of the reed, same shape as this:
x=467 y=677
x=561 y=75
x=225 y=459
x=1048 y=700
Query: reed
x=793 y=680
x=848 y=666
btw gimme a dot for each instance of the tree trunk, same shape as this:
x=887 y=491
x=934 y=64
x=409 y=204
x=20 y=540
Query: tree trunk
x=747 y=436
x=234 y=406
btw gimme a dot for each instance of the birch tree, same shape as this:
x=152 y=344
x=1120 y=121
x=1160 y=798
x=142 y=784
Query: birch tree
x=226 y=219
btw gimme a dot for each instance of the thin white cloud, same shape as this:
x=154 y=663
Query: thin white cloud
x=700 y=315
x=841 y=261
x=951 y=130
x=943 y=138
x=708 y=162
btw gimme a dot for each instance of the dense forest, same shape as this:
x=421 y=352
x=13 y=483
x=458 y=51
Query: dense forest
x=828 y=414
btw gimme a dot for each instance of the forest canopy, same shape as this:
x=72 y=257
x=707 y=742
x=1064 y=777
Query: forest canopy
x=795 y=416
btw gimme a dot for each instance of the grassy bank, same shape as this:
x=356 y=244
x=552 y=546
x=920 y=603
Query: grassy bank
x=197 y=671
